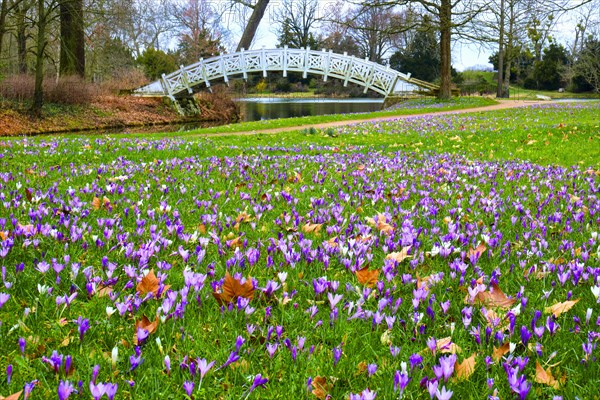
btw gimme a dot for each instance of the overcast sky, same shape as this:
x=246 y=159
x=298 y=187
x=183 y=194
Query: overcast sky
x=464 y=55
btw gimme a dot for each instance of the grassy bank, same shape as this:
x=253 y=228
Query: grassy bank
x=414 y=106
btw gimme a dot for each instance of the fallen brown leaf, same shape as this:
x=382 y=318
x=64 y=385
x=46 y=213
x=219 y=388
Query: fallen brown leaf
x=399 y=256
x=311 y=228
x=232 y=289
x=560 y=308
x=494 y=298
x=149 y=284
x=499 y=352
x=545 y=377
x=367 y=277
x=14 y=396
x=320 y=387
x=466 y=368
x=480 y=249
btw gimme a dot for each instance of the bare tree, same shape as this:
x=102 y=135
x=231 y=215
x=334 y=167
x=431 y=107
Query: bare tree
x=374 y=27
x=258 y=11
x=199 y=27
x=297 y=20
x=448 y=17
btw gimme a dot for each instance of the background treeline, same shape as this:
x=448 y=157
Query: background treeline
x=105 y=45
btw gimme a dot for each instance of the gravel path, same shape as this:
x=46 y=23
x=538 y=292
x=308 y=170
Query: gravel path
x=502 y=104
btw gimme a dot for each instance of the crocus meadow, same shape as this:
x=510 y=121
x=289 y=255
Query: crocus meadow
x=291 y=266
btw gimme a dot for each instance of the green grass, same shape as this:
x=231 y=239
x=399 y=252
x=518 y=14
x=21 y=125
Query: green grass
x=425 y=105
x=456 y=180
x=519 y=93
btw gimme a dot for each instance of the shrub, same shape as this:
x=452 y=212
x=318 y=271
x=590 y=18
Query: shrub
x=218 y=106
x=67 y=90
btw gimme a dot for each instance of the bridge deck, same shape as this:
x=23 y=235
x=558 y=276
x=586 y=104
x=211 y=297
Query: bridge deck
x=373 y=76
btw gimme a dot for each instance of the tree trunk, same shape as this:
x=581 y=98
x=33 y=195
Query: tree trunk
x=252 y=26
x=38 y=94
x=21 y=10
x=445 y=49
x=500 y=90
x=72 y=45
x=3 y=12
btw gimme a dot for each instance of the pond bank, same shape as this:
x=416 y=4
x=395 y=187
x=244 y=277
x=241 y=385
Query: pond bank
x=106 y=113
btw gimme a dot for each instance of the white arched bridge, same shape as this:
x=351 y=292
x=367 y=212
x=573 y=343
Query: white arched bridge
x=373 y=76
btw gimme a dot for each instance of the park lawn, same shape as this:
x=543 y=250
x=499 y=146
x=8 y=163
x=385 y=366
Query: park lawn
x=432 y=255
x=409 y=107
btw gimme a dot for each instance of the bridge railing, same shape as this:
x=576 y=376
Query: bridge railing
x=371 y=75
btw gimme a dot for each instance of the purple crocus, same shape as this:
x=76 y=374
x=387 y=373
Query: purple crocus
x=110 y=389
x=258 y=381
x=233 y=357
x=446 y=367
x=22 y=344
x=337 y=353
x=188 y=386
x=204 y=367
x=65 y=388
x=83 y=325
x=443 y=394
x=3 y=298
x=97 y=390
x=401 y=380
x=9 y=371
x=371 y=369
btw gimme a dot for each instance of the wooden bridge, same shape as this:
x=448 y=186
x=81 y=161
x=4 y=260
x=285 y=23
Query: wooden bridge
x=373 y=76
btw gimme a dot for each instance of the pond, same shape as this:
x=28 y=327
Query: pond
x=258 y=108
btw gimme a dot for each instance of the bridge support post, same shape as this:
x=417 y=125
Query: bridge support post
x=327 y=64
x=205 y=75
x=243 y=64
x=285 y=60
x=306 y=62
x=223 y=69
x=348 y=71
x=185 y=79
x=263 y=62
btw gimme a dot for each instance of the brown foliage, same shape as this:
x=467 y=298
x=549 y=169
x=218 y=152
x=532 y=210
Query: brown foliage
x=66 y=90
x=218 y=106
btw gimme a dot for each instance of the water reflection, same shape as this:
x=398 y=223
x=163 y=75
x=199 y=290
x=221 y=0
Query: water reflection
x=256 y=109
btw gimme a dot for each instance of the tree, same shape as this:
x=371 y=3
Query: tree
x=447 y=17
x=297 y=18
x=44 y=14
x=421 y=57
x=587 y=64
x=258 y=11
x=72 y=45
x=156 y=62
x=373 y=27
x=547 y=73
x=200 y=32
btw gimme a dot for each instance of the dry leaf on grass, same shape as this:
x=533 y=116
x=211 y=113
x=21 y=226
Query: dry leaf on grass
x=399 y=256
x=144 y=323
x=14 y=396
x=320 y=387
x=499 y=352
x=445 y=346
x=311 y=228
x=232 y=289
x=494 y=298
x=98 y=203
x=367 y=277
x=545 y=377
x=560 y=308
x=150 y=284
x=480 y=249
x=466 y=368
